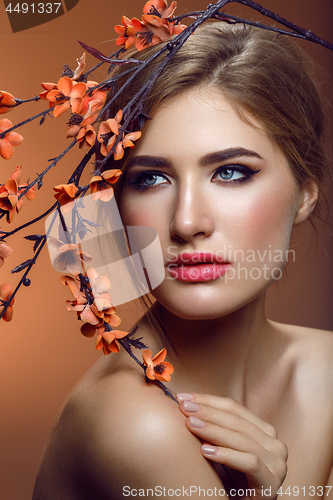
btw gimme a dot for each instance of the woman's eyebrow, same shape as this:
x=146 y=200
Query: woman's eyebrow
x=209 y=159
x=148 y=161
x=226 y=154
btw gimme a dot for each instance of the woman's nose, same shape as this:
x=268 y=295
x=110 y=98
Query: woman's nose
x=191 y=215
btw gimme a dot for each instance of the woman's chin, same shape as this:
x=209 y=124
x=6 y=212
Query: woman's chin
x=203 y=301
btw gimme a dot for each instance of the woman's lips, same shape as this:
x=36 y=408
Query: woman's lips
x=197 y=266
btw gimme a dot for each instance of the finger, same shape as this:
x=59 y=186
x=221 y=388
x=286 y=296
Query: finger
x=231 y=406
x=234 y=423
x=237 y=441
x=224 y=437
x=256 y=471
x=243 y=462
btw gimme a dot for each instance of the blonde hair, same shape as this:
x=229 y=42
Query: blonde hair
x=263 y=75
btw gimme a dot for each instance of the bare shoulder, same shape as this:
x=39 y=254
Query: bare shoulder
x=115 y=432
x=312 y=353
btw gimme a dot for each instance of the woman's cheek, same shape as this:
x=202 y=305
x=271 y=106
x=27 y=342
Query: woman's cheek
x=135 y=212
x=266 y=229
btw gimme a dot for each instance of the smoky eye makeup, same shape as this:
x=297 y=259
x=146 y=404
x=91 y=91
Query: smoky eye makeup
x=143 y=180
x=227 y=174
x=234 y=173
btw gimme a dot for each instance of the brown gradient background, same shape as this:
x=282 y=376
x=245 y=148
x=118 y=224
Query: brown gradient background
x=42 y=354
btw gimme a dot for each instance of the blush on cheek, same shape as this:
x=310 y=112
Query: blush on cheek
x=271 y=216
x=135 y=219
x=267 y=228
x=135 y=214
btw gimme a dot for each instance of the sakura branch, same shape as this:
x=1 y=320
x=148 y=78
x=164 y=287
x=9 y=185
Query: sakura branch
x=104 y=139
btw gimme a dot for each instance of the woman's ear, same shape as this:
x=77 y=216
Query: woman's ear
x=308 y=197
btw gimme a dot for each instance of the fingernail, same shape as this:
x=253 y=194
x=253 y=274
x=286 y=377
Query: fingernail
x=196 y=422
x=190 y=406
x=208 y=449
x=184 y=396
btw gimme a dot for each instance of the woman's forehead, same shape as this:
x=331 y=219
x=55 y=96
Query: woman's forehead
x=200 y=122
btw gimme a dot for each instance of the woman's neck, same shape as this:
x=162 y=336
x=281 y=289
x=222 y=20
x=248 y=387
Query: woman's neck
x=220 y=356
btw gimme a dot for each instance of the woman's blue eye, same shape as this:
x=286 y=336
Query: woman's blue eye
x=151 y=179
x=142 y=181
x=237 y=173
x=145 y=180
x=230 y=173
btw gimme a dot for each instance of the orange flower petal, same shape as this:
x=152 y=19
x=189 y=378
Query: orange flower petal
x=79 y=89
x=113 y=347
x=81 y=65
x=119 y=151
x=54 y=245
x=150 y=372
x=153 y=20
x=73 y=131
x=105 y=195
x=147 y=357
x=127 y=143
x=108 y=337
x=53 y=95
x=114 y=320
x=5 y=291
x=5 y=250
x=5 y=124
x=159 y=357
x=19 y=204
x=101 y=303
x=120 y=30
x=88 y=330
x=159 y=5
x=30 y=194
x=88 y=139
x=65 y=85
x=112 y=175
x=68 y=207
x=113 y=125
x=95 y=180
x=138 y=25
x=89 y=316
x=59 y=109
x=11 y=186
x=14 y=138
x=70 y=189
x=8 y=314
x=119 y=334
x=99 y=341
x=49 y=86
x=103 y=129
x=7 y=101
x=119 y=116
x=17 y=174
x=126 y=21
x=76 y=105
x=72 y=285
x=6 y=149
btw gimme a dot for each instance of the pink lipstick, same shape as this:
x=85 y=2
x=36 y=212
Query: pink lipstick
x=197 y=266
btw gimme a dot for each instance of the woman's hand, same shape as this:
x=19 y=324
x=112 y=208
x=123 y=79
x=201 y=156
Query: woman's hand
x=240 y=440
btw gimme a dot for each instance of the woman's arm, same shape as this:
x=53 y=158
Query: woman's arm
x=118 y=436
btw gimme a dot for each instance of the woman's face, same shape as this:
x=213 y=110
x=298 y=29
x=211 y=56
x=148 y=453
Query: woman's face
x=222 y=199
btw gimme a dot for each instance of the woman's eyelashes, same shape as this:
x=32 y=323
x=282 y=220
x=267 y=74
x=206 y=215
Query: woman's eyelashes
x=228 y=174
x=146 y=180
x=234 y=173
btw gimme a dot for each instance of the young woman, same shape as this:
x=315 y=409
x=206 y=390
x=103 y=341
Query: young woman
x=230 y=163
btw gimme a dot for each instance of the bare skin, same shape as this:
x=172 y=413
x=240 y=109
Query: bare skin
x=116 y=431
x=255 y=390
